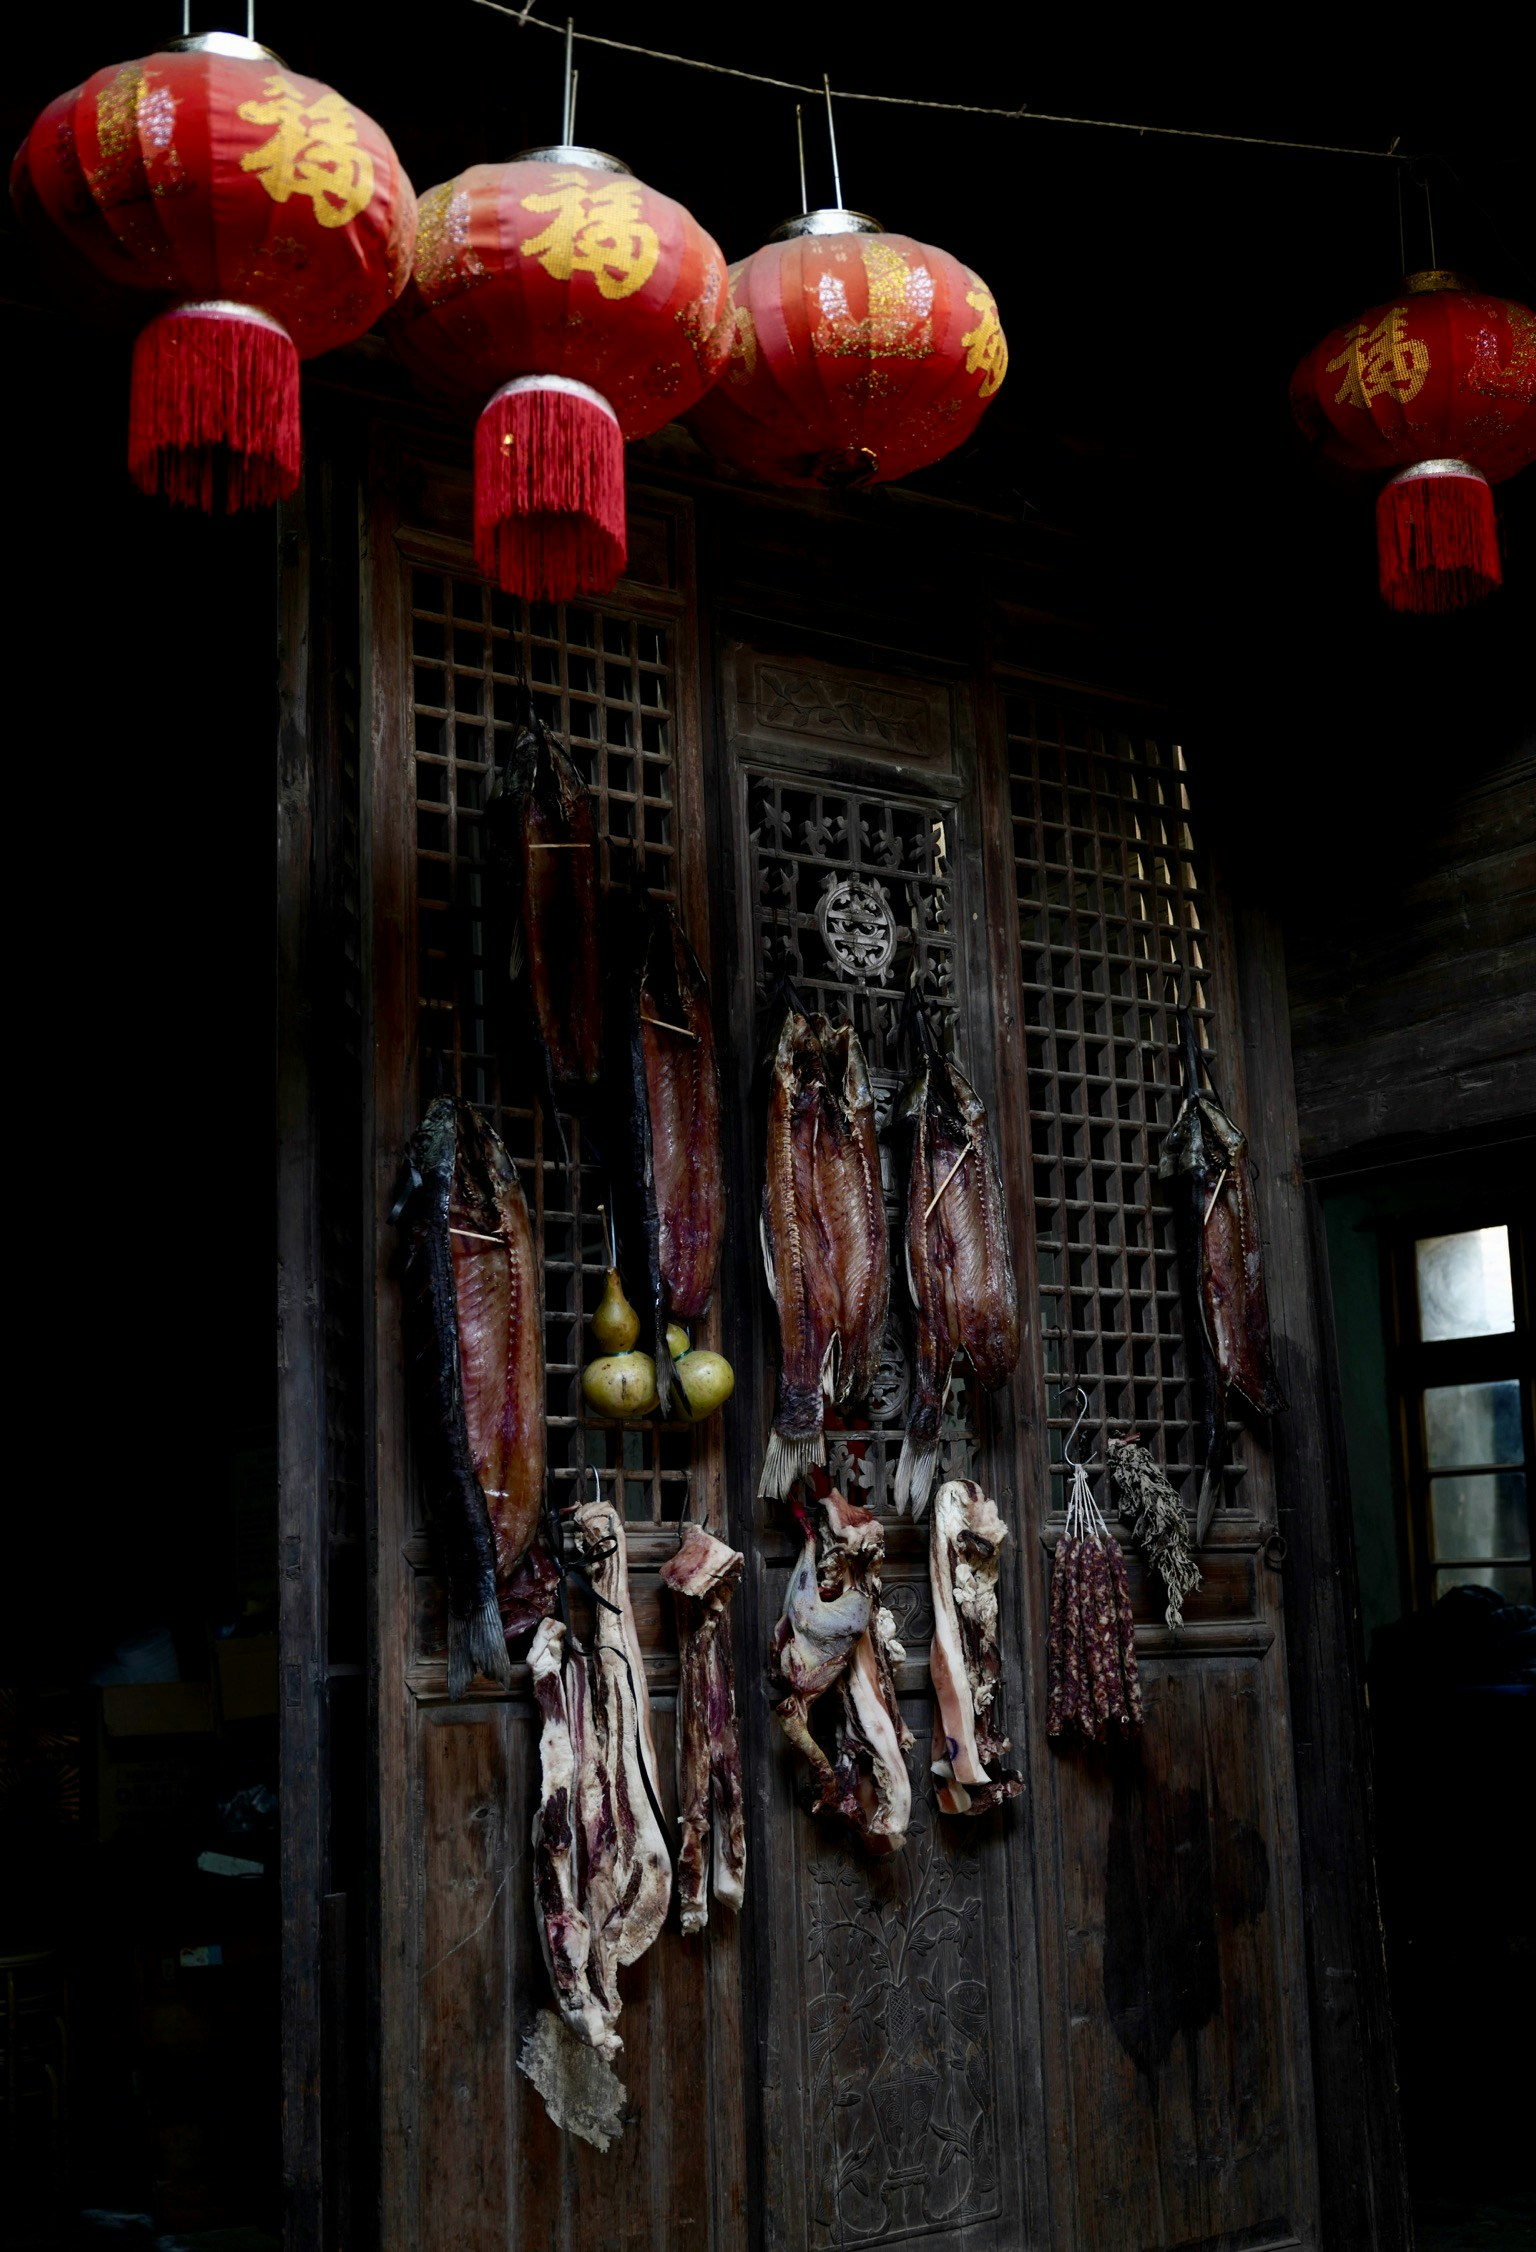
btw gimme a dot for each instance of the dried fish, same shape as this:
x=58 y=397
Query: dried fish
x=959 y=1264
x=541 y=849
x=1205 y=1155
x=666 y=1095
x=475 y=1338
x=824 y=1237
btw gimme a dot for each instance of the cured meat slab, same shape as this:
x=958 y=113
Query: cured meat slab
x=703 y=1576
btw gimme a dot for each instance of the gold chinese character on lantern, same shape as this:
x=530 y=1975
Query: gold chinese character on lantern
x=1381 y=362
x=313 y=152
x=984 y=345
x=596 y=229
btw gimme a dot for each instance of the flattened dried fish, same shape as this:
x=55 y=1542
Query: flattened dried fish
x=666 y=1085
x=541 y=847
x=1206 y=1156
x=466 y=1540
x=824 y=1237
x=959 y=1264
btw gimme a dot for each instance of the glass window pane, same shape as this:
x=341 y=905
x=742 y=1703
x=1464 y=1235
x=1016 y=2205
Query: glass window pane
x=1480 y=1516
x=1464 y=1285
x=1513 y=1581
x=1472 y=1423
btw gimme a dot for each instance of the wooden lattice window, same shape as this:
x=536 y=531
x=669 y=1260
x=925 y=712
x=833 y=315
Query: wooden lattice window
x=1114 y=932
x=855 y=898
x=603 y=680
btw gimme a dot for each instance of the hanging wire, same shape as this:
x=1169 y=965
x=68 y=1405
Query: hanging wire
x=527 y=18
x=837 y=177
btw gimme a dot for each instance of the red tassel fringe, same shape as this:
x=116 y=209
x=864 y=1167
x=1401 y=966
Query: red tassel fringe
x=1437 y=542
x=213 y=414
x=549 y=495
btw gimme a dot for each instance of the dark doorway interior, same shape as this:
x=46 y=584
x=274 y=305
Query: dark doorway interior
x=1431 y=1276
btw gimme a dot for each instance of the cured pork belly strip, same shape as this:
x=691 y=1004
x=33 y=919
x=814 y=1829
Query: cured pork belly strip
x=965 y=1660
x=629 y=1871
x=958 y=1259
x=834 y=1632
x=465 y=1538
x=564 y=1932
x=541 y=843
x=703 y=1576
x=824 y=1238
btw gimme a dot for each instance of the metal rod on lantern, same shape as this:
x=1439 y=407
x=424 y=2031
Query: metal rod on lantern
x=250 y=20
x=570 y=123
x=186 y=19
x=837 y=178
x=565 y=107
x=1429 y=217
x=805 y=201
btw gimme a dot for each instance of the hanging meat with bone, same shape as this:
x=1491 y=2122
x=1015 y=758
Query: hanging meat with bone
x=703 y=1576
x=602 y=1875
x=475 y=1337
x=965 y=1662
x=1222 y=1259
x=959 y=1264
x=541 y=847
x=835 y=1633
x=824 y=1236
x=666 y=1083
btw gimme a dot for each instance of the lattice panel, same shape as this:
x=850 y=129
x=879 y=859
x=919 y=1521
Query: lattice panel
x=603 y=681
x=853 y=895
x=1114 y=933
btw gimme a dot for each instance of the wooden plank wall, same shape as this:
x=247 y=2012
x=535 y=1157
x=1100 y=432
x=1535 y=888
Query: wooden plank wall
x=1411 y=996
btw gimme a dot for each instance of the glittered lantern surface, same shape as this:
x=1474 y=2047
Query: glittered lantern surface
x=857 y=357
x=1442 y=370
x=254 y=214
x=570 y=269
x=210 y=176
x=1438 y=390
x=585 y=309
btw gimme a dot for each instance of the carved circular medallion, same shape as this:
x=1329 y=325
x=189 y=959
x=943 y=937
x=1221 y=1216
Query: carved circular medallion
x=859 y=929
x=888 y=1393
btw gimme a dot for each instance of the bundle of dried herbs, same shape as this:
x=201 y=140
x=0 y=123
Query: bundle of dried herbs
x=1157 y=1519
x=1094 y=1689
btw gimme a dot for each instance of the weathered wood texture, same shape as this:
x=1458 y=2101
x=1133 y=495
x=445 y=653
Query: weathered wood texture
x=1083 y=2022
x=1359 y=2139
x=1411 y=995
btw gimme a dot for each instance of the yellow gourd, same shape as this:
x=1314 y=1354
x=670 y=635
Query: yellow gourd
x=620 y=1384
x=702 y=1383
x=615 y=1325
x=678 y=1341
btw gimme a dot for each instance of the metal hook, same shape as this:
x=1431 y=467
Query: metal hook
x=1066 y=1445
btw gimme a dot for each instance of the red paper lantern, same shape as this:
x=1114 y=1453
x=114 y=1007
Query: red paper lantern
x=593 y=310
x=264 y=218
x=858 y=356
x=1438 y=388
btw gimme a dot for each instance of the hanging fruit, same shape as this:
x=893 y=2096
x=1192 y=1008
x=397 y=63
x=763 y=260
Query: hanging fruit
x=857 y=356
x=259 y=216
x=1437 y=389
x=593 y=310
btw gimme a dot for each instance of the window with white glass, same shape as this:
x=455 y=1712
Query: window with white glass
x=1465 y=1365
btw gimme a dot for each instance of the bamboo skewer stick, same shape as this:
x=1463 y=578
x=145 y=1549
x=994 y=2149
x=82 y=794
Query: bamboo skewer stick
x=662 y=1025
x=944 y=1184
x=1216 y=1191
x=474 y=1235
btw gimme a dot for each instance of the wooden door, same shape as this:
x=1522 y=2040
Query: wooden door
x=1079 y=2022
